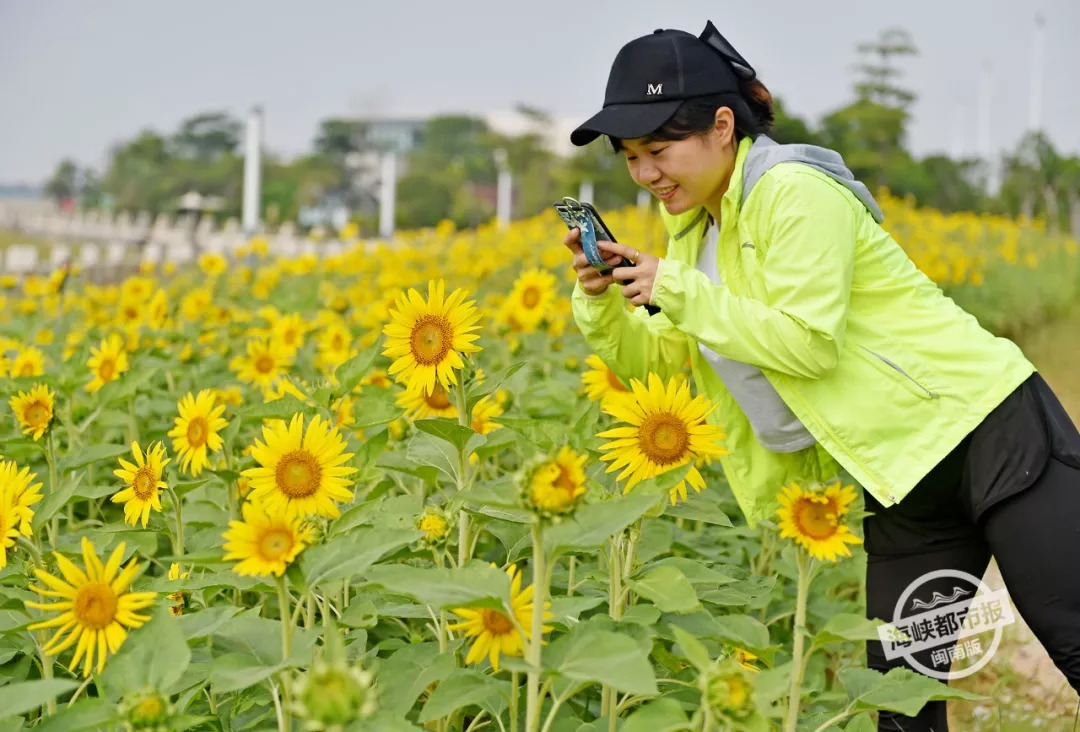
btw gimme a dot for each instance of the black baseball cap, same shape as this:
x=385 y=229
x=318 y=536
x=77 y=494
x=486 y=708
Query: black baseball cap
x=654 y=74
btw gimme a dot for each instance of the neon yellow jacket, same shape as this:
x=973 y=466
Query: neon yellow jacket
x=885 y=371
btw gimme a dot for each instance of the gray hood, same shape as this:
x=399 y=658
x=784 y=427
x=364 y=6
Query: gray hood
x=765 y=153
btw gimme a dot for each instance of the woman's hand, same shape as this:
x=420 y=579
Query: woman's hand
x=593 y=281
x=637 y=281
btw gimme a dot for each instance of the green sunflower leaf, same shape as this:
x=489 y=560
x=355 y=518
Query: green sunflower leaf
x=353 y=371
x=446 y=429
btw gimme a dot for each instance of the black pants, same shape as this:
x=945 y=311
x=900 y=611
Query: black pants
x=1011 y=489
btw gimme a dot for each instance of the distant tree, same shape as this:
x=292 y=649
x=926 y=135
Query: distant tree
x=788 y=128
x=206 y=136
x=64 y=183
x=870 y=132
x=139 y=175
x=337 y=137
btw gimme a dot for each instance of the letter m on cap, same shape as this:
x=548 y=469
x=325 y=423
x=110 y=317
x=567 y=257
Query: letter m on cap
x=655 y=88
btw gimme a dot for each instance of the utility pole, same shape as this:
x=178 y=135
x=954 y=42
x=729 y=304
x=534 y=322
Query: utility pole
x=1037 y=52
x=504 y=189
x=252 y=172
x=387 y=194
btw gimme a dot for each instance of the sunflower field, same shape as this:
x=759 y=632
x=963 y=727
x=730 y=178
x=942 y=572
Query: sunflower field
x=392 y=490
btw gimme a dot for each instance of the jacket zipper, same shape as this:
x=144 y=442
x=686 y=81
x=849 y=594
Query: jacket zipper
x=931 y=394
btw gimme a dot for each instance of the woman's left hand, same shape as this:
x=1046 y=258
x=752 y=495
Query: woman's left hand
x=637 y=281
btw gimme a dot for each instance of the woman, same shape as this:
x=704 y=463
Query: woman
x=826 y=348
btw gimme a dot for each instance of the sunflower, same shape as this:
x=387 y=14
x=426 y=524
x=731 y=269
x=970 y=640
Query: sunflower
x=599 y=381
x=343 y=412
x=29 y=361
x=494 y=631
x=107 y=362
x=144 y=483
x=433 y=522
x=264 y=542
x=178 y=598
x=213 y=264
x=484 y=413
x=194 y=304
x=555 y=486
x=196 y=430
x=21 y=492
x=529 y=300
x=288 y=331
x=378 y=378
x=667 y=430
x=418 y=405
x=34 y=409
x=301 y=474
x=427 y=337
x=264 y=363
x=814 y=518
x=95 y=606
x=9 y=525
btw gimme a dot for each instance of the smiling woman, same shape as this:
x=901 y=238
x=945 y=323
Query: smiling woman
x=825 y=349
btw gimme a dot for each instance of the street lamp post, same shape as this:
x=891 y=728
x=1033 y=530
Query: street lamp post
x=503 y=189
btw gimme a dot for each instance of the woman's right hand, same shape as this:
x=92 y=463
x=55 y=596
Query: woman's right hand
x=593 y=282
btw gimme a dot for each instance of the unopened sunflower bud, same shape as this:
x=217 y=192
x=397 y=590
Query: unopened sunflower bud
x=147 y=712
x=729 y=689
x=334 y=693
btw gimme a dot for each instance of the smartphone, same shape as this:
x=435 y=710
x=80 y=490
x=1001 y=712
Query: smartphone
x=585 y=217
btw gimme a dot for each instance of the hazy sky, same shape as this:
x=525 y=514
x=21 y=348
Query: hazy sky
x=77 y=76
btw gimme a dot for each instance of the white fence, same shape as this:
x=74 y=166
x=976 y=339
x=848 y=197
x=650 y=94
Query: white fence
x=104 y=245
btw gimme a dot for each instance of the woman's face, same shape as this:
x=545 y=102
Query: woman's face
x=685 y=174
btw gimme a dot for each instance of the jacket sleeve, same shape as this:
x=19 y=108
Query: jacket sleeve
x=807 y=271
x=632 y=344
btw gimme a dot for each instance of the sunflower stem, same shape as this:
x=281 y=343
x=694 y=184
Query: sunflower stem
x=570 y=578
x=464 y=538
x=50 y=457
x=801 y=596
x=607 y=695
x=285 y=719
x=515 y=683
x=133 y=422
x=178 y=544
x=42 y=635
x=540 y=593
x=82 y=687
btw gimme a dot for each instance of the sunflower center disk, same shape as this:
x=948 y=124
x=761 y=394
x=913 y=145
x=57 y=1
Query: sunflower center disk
x=37 y=413
x=107 y=369
x=144 y=483
x=196 y=432
x=816 y=520
x=496 y=622
x=275 y=543
x=530 y=298
x=438 y=399
x=430 y=340
x=264 y=364
x=298 y=474
x=663 y=438
x=565 y=481
x=95 y=605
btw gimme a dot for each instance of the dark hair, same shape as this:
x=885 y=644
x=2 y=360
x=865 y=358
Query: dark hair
x=752 y=106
